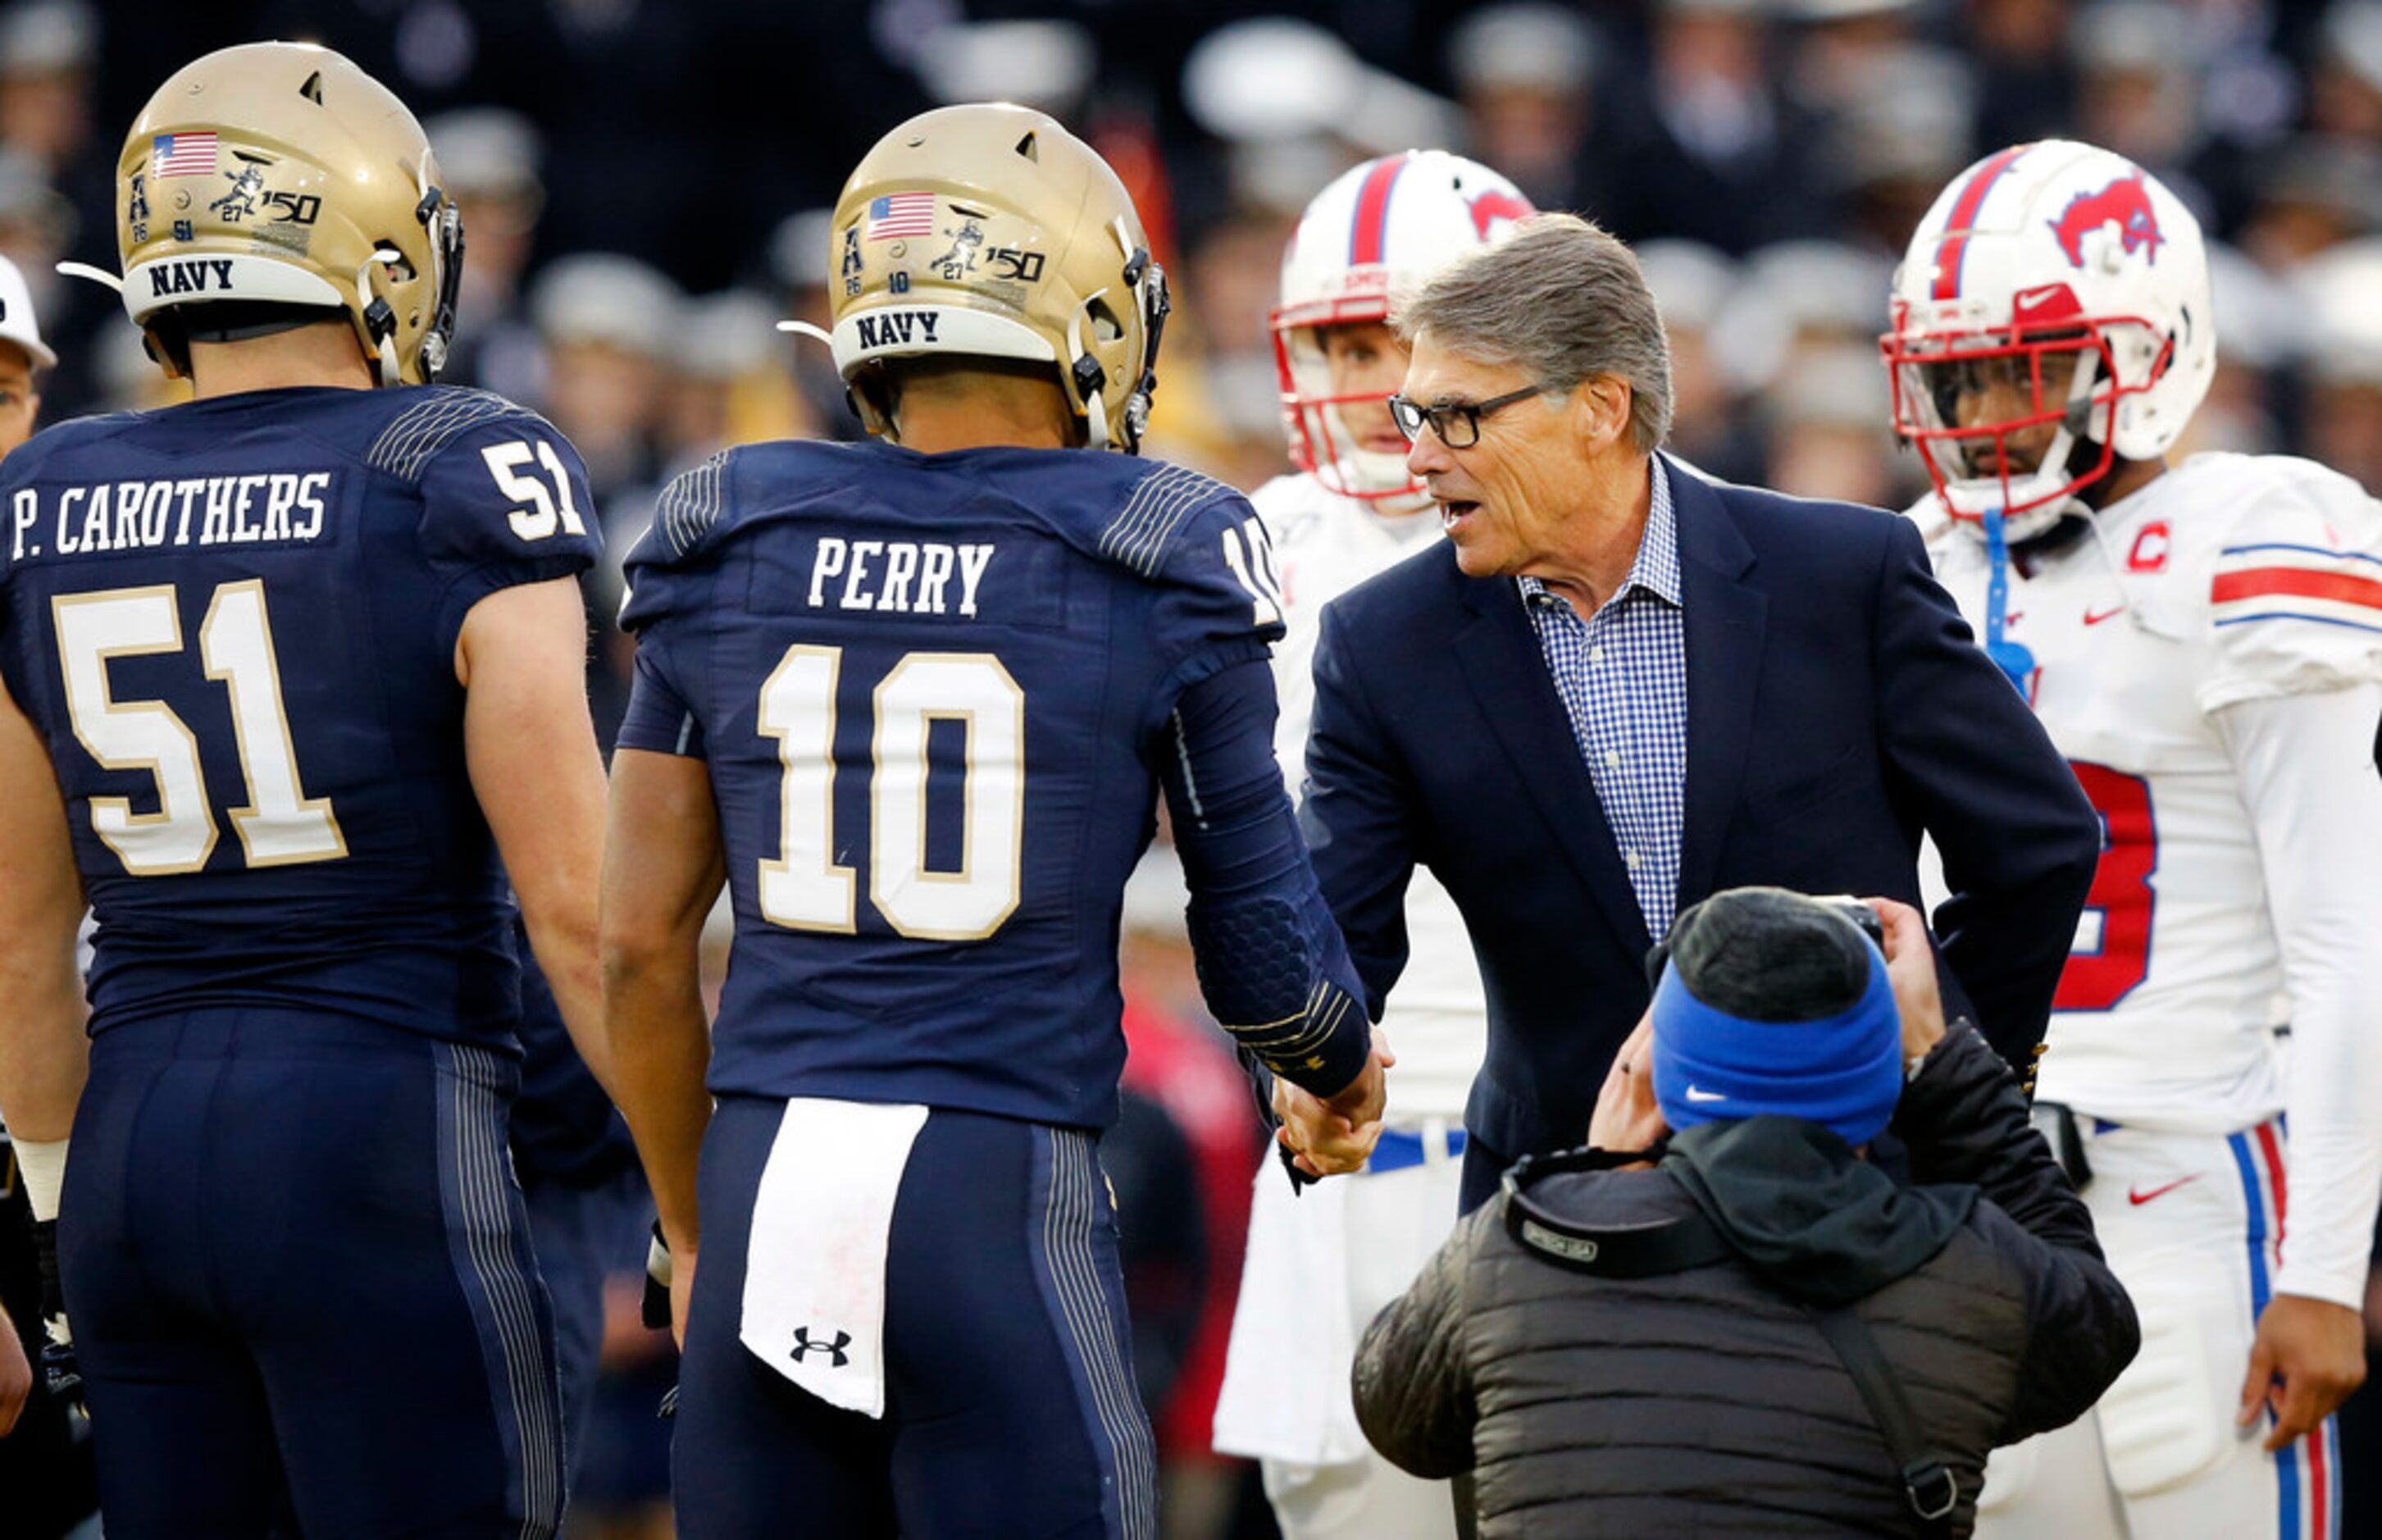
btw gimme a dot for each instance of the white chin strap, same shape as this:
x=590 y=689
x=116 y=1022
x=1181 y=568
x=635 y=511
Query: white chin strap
x=391 y=372
x=1096 y=408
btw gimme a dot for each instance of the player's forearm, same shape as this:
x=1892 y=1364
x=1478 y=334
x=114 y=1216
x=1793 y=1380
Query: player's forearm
x=557 y=884
x=44 y=1054
x=564 y=935
x=2333 y=1086
x=2317 y=807
x=660 y=1048
x=1272 y=963
x=43 y=1051
x=534 y=767
x=663 y=868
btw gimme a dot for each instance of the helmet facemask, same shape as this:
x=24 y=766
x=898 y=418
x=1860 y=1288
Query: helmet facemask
x=388 y=277
x=1106 y=334
x=2041 y=401
x=1315 y=410
x=2057 y=296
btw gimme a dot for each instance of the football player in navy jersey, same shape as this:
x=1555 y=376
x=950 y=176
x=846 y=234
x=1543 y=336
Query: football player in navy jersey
x=913 y=700
x=287 y=669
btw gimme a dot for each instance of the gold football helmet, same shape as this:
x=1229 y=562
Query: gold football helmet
x=989 y=231
x=279 y=174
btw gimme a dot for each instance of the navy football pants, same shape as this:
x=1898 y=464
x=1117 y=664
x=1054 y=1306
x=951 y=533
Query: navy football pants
x=1010 y=1401
x=300 y=1278
x=584 y=1233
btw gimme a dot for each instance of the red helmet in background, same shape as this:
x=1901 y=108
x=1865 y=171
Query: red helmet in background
x=1376 y=234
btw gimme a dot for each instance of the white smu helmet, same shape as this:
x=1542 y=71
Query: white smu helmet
x=2044 y=250
x=1376 y=234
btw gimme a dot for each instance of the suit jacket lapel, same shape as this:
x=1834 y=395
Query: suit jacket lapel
x=1725 y=619
x=1498 y=655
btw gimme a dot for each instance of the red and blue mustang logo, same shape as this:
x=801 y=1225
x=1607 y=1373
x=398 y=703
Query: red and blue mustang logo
x=1493 y=205
x=2126 y=204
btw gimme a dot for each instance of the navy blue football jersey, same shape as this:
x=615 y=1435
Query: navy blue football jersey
x=234 y=622
x=934 y=692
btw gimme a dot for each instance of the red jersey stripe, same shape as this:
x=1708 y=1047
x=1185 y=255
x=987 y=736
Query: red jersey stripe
x=2319 y=1485
x=2297 y=583
x=2273 y=1149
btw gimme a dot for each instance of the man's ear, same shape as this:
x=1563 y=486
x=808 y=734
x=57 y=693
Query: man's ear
x=1605 y=400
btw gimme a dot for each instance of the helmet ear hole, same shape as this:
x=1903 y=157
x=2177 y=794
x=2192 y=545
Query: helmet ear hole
x=313 y=89
x=1030 y=148
x=1106 y=327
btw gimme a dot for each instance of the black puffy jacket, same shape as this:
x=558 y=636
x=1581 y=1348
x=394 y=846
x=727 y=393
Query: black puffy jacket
x=1706 y=1401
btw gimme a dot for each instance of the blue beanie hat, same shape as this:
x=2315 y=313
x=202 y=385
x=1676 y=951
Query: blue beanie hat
x=1775 y=1002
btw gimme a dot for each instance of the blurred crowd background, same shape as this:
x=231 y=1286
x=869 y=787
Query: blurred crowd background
x=645 y=188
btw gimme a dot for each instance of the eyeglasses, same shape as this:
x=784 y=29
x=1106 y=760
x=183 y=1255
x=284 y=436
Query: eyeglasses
x=1458 y=422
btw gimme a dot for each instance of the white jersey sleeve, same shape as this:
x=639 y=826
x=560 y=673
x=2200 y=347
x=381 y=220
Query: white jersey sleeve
x=2295 y=591
x=2295 y=687
x=2307 y=778
x=1296 y=511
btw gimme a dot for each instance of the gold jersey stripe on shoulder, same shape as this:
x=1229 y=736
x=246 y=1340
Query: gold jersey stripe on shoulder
x=1138 y=537
x=691 y=504
x=414 y=437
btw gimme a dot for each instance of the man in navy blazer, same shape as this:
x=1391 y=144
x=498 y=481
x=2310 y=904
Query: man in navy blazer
x=1618 y=687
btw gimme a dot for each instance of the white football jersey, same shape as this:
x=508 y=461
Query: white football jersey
x=2228 y=578
x=1437 y=1019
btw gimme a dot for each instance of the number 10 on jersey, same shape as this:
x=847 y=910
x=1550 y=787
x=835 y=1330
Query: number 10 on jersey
x=807 y=887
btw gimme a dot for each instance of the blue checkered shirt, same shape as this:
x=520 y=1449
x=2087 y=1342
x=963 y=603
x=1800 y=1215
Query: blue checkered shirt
x=1623 y=676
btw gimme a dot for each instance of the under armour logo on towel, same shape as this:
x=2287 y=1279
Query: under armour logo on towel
x=835 y=1349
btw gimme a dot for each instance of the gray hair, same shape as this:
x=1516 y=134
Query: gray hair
x=1563 y=301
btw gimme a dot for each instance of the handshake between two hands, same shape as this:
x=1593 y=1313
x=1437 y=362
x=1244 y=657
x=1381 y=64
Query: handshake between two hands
x=1329 y=1137
x=1333 y=1136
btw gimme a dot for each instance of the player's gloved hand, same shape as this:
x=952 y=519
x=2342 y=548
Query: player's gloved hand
x=2308 y=1355
x=654 y=1310
x=58 y=1365
x=662 y=1271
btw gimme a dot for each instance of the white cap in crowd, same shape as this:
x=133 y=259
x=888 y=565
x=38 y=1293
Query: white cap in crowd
x=18 y=322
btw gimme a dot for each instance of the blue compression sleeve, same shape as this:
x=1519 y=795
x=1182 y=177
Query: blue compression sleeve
x=1272 y=963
